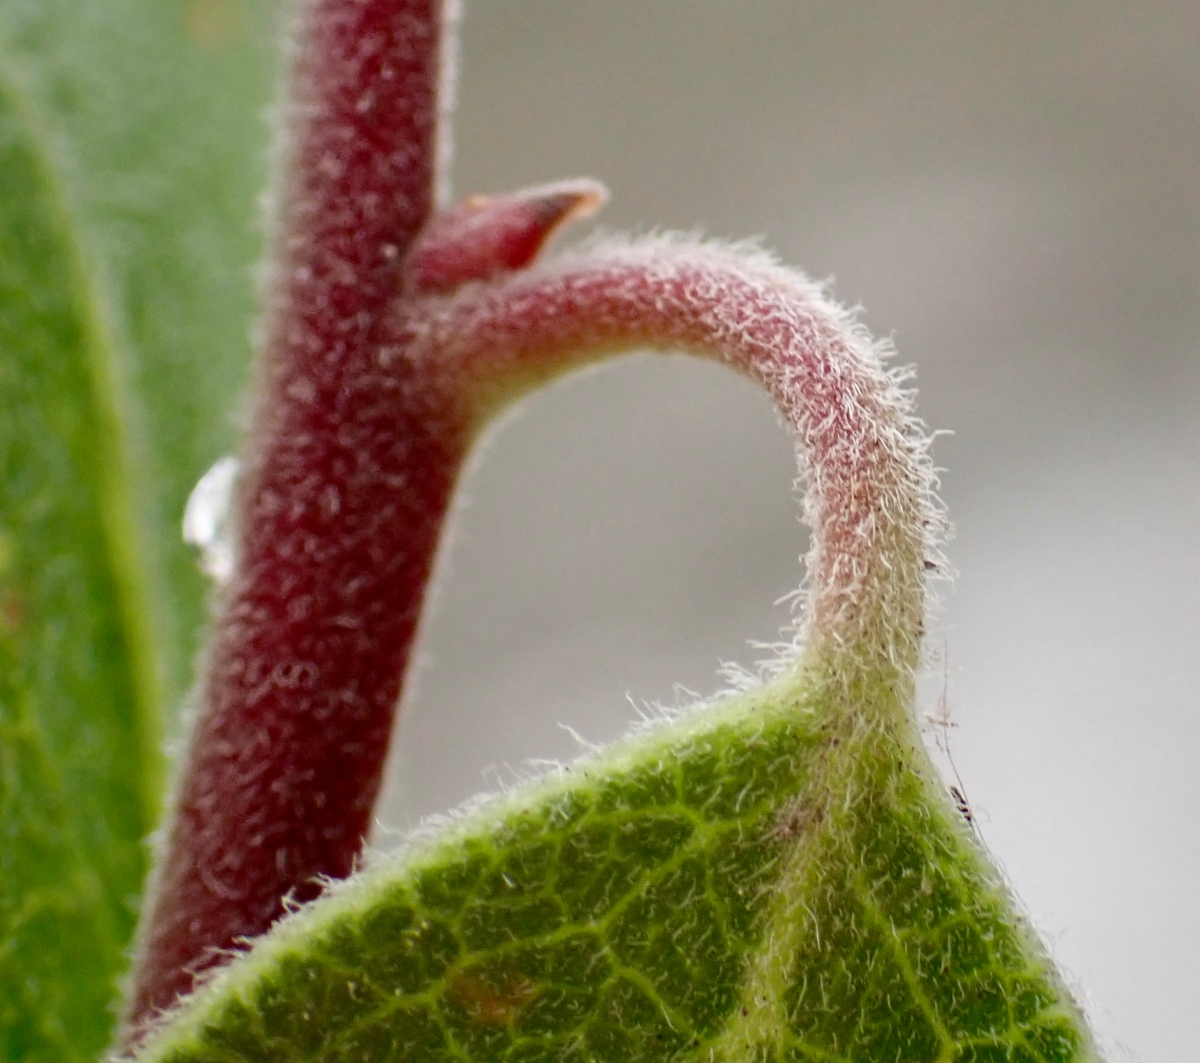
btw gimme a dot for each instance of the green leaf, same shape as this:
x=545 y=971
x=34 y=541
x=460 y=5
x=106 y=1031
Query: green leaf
x=777 y=877
x=73 y=794
x=131 y=151
x=148 y=116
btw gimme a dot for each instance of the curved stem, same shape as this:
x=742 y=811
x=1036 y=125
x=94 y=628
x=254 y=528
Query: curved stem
x=875 y=518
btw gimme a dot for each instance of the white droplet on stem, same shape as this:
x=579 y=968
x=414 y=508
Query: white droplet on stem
x=207 y=518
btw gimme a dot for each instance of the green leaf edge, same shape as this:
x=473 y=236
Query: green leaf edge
x=294 y=994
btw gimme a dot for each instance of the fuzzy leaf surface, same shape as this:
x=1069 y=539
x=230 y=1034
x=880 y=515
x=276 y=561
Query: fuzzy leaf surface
x=130 y=154
x=767 y=879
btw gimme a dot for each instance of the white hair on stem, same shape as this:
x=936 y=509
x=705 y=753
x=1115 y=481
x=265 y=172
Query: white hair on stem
x=871 y=497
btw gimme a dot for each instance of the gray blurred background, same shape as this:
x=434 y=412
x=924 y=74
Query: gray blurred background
x=1011 y=192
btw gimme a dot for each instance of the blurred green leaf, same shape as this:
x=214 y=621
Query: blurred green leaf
x=132 y=149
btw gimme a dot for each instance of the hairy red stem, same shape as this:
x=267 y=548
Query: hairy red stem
x=348 y=477
x=875 y=521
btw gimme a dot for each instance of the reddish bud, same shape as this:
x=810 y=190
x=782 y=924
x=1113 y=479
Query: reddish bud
x=485 y=236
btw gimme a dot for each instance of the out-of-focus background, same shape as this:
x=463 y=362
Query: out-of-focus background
x=1012 y=191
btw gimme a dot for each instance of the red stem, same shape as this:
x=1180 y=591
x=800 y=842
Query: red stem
x=876 y=522
x=349 y=475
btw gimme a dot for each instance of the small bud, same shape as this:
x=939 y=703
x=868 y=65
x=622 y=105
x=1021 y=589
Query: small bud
x=488 y=235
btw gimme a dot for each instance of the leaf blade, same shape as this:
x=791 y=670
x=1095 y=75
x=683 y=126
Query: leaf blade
x=80 y=787
x=625 y=911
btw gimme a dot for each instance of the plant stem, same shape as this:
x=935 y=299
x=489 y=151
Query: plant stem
x=339 y=510
x=871 y=505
